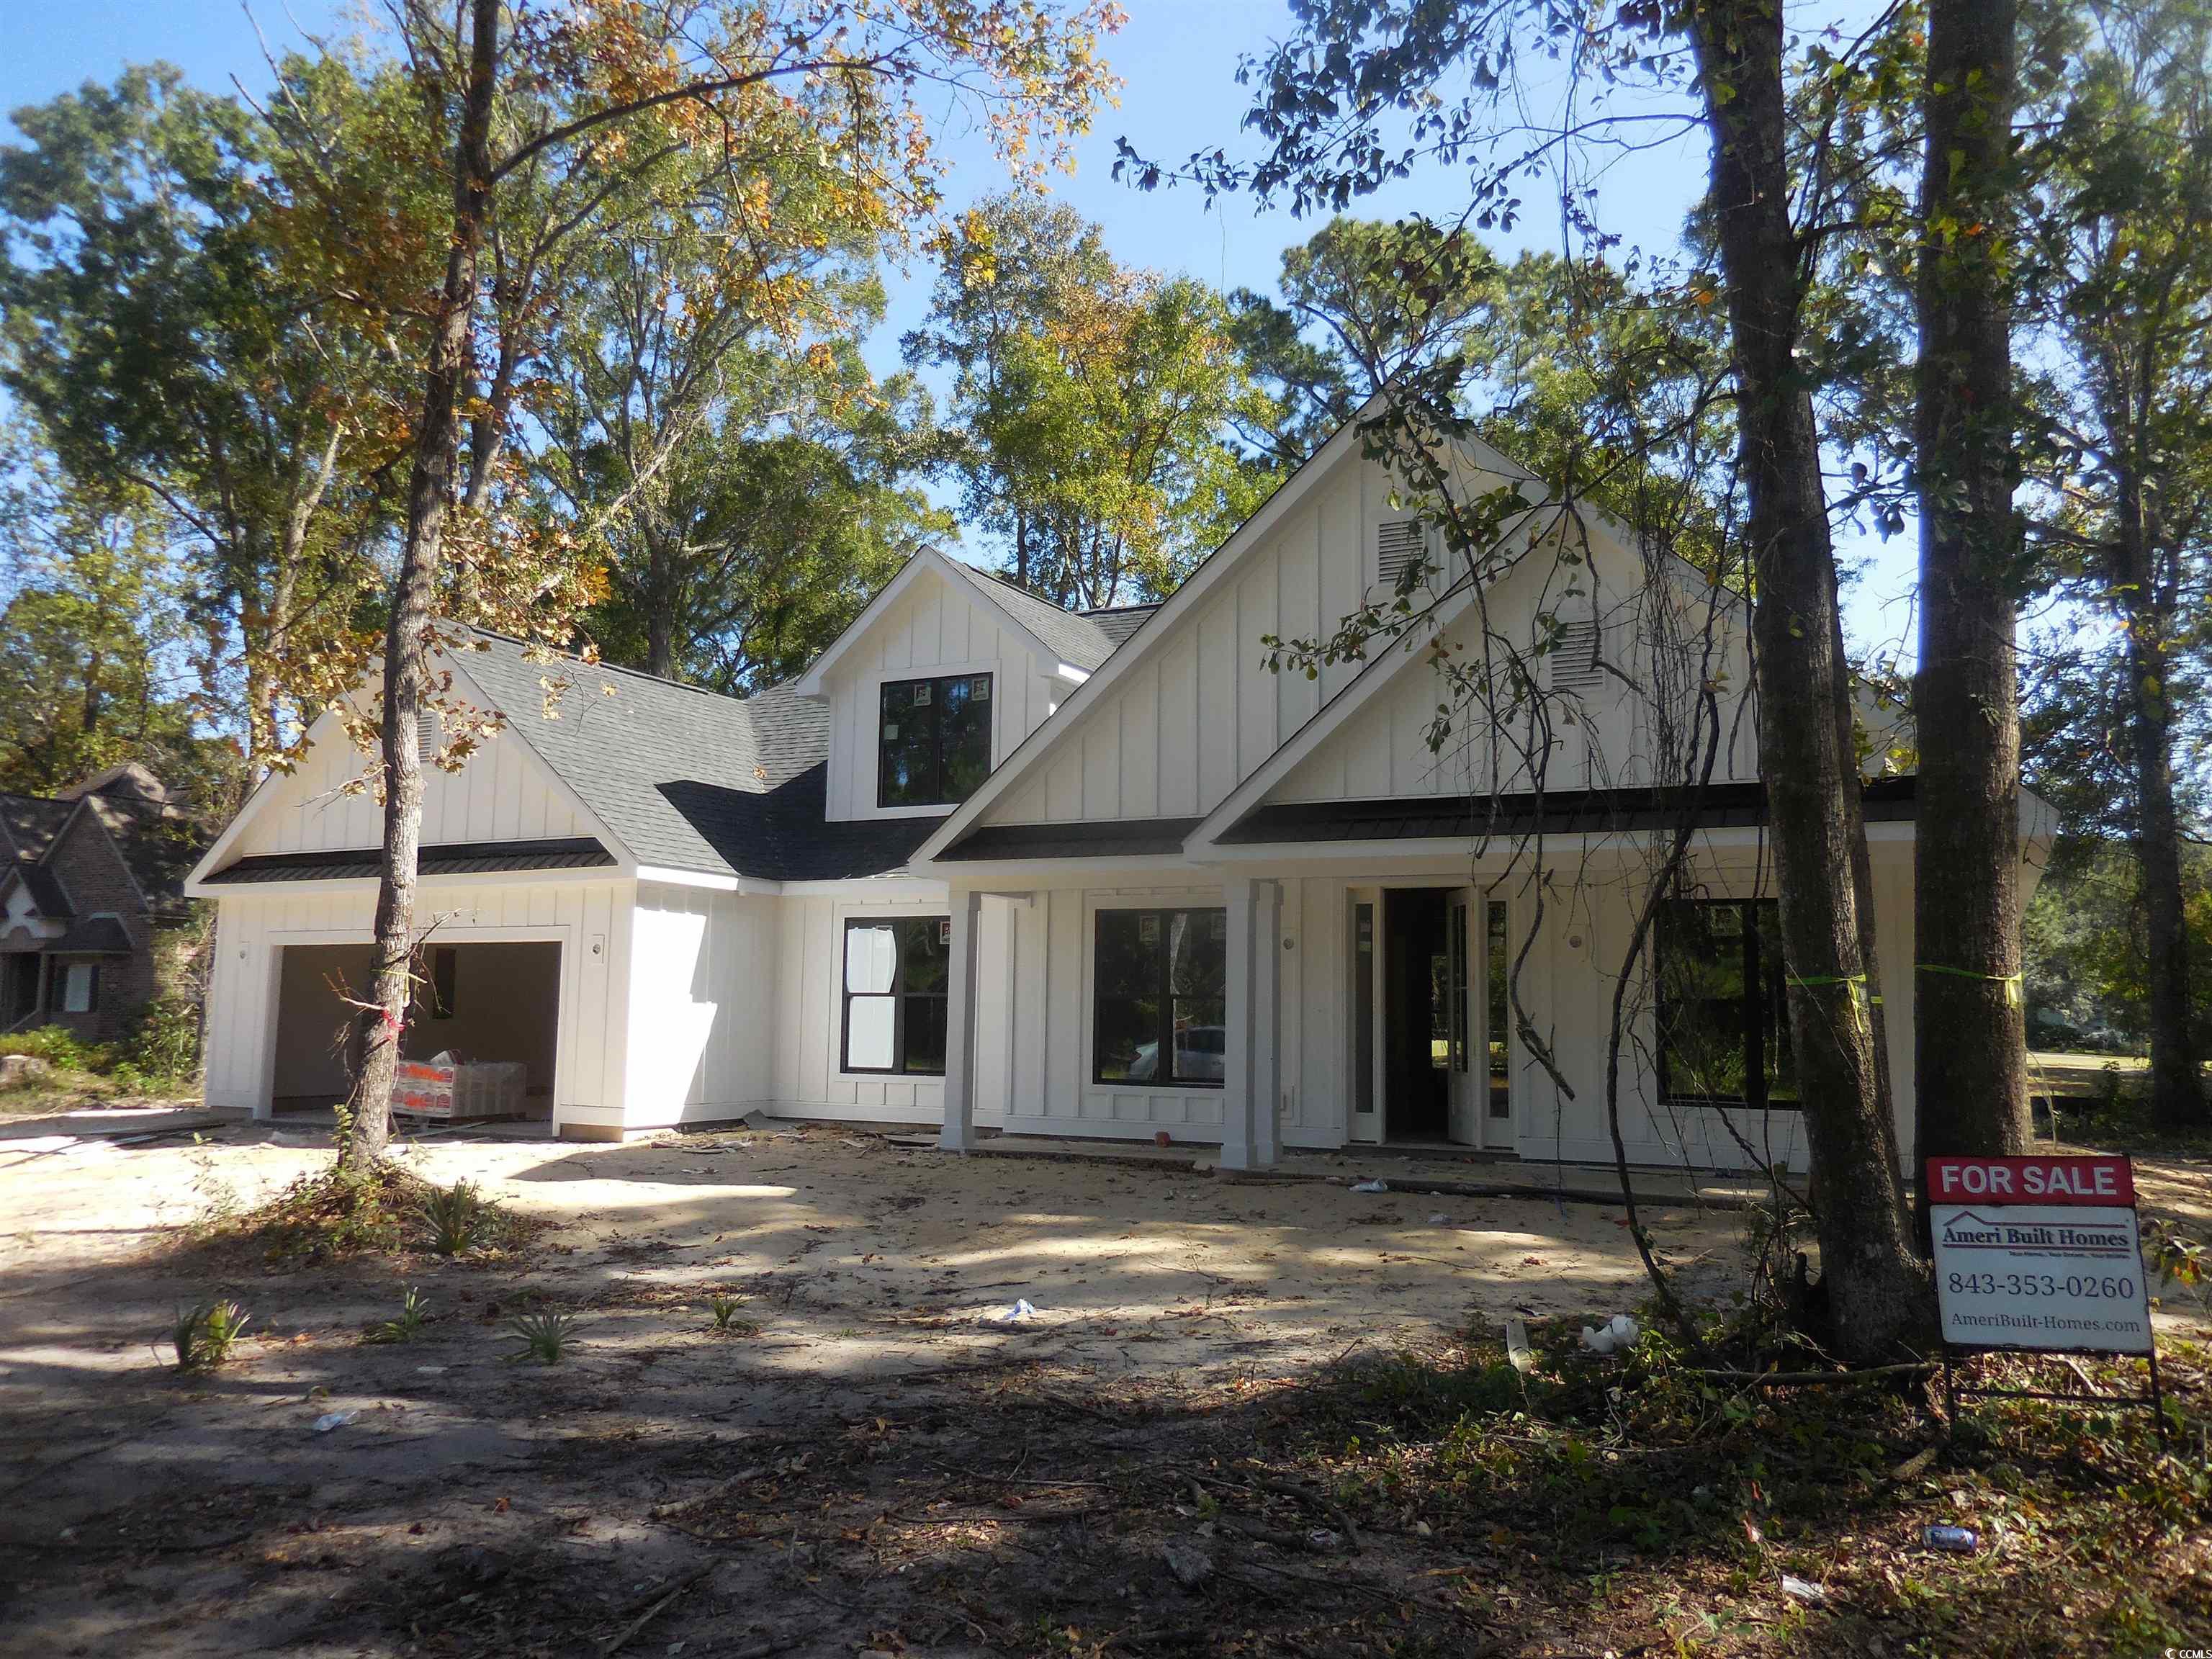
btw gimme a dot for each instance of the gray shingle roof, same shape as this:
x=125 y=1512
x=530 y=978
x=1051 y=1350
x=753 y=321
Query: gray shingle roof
x=785 y=834
x=619 y=737
x=31 y=823
x=1120 y=621
x=1076 y=640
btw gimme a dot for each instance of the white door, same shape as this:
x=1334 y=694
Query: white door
x=1468 y=1080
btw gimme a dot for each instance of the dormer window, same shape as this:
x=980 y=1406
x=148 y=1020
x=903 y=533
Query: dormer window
x=933 y=740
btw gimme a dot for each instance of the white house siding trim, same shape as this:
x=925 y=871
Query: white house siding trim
x=591 y=922
x=702 y=1027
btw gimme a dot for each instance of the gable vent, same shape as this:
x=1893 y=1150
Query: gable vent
x=426 y=735
x=1575 y=659
x=1400 y=544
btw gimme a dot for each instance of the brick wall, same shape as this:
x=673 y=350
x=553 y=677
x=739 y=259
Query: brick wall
x=100 y=883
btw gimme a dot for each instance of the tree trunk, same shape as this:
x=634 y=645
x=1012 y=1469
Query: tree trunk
x=661 y=603
x=406 y=666
x=1970 y=1049
x=1877 y=1292
x=2177 y=1091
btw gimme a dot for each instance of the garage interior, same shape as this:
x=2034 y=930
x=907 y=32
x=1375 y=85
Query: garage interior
x=494 y=1001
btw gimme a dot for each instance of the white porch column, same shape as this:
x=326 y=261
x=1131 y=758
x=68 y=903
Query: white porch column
x=958 y=1134
x=1252 y=1089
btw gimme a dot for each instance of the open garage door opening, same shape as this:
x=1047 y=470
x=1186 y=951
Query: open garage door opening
x=488 y=1003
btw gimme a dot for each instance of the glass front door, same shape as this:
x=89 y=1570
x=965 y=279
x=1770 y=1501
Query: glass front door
x=1497 y=1044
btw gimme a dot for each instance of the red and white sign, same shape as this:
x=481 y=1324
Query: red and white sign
x=2034 y=1180
x=2039 y=1252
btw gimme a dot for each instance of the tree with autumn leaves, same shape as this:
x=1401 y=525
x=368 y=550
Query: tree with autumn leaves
x=555 y=118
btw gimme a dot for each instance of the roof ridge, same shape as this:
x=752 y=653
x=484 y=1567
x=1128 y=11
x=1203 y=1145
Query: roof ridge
x=617 y=668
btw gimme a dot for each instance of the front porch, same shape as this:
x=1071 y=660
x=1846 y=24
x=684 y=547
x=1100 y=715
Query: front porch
x=1290 y=1011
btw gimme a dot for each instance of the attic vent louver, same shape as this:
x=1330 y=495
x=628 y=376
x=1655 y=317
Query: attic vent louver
x=1575 y=659
x=426 y=735
x=1400 y=544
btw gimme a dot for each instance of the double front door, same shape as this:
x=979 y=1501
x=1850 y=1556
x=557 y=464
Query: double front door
x=1431 y=1027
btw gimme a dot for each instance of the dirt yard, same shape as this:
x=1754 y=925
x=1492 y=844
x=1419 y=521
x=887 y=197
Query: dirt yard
x=876 y=1456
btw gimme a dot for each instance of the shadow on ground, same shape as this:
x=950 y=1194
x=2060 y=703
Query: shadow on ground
x=1241 y=1419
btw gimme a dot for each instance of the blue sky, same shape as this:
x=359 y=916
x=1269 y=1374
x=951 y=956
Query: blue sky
x=1178 y=59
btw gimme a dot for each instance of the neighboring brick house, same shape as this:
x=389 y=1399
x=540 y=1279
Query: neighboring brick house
x=85 y=880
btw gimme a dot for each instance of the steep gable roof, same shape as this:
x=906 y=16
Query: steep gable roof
x=1065 y=640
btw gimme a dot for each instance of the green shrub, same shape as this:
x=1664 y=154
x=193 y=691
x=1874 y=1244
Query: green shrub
x=727 y=1322
x=60 y=1048
x=165 y=1045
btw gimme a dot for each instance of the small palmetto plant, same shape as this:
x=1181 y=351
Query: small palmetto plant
x=543 y=1335
x=724 y=1310
x=204 y=1336
x=414 y=1315
x=456 y=1216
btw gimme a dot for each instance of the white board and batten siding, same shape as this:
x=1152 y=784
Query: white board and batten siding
x=940 y=626
x=502 y=792
x=1200 y=711
x=702 y=967
x=591 y=920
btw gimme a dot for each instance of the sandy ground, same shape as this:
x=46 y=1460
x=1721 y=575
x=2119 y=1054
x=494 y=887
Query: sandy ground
x=475 y=1505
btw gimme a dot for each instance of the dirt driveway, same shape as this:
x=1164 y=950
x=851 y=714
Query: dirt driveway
x=883 y=1461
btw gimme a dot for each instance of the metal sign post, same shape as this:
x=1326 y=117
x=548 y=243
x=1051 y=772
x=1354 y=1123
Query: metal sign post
x=2040 y=1255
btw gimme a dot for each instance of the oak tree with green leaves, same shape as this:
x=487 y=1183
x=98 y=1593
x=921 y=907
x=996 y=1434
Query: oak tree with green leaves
x=1092 y=406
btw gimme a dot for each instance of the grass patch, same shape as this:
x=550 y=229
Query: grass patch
x=336 y=1214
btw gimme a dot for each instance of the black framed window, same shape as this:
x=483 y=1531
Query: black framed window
x=1723 y=1012
x=896 y=974
x=1159 y=992
x=933 y=741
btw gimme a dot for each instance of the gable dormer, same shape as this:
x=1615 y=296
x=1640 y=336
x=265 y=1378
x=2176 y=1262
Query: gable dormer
x=942 y=676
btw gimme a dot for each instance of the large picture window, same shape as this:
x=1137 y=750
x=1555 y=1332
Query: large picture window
x=895 y=979
x=1724 y=1016
x=935 y=740
x=1160 y=985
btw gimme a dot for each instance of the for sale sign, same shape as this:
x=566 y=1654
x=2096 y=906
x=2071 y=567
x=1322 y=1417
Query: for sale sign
x=2038 y=1253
